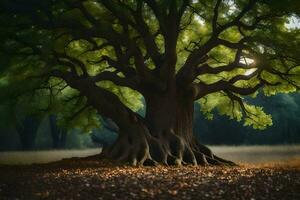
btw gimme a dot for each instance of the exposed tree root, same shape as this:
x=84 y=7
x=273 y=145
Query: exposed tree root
x=140 y=148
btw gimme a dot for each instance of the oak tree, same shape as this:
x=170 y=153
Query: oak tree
x=107 y=56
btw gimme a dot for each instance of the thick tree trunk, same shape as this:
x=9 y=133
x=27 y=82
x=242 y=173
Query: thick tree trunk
x=165 y=135
x=157 y=140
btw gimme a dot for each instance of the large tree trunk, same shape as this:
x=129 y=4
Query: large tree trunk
x=164 y=136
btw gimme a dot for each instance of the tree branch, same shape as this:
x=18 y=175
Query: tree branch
x=204 y=89
x=215 y=17
x=113 y=77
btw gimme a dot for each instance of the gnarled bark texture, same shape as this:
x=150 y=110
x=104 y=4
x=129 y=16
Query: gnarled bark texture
x=165 y=136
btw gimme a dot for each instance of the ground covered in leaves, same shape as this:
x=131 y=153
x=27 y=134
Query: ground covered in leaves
x=100 y=179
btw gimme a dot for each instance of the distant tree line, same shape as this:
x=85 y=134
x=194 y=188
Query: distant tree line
x=34 y=133
x=285 y=111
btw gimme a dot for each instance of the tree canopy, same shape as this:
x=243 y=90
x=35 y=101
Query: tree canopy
x=225 y=49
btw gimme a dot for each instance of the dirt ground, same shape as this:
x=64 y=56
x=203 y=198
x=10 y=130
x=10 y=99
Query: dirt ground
x=100 y=179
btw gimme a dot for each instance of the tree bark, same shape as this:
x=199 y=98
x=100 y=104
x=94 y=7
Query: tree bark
x=164 y=136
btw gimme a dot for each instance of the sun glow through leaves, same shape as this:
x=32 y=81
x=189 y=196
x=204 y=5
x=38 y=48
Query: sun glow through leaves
x=248 y=62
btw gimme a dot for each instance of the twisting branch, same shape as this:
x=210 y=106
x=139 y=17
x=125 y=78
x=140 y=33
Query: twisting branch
x=246 y=112
x=73 y=61
x=244 y=77
x=139 y=25
x=215 y=17
x=113 y=77
x=204 y=89
x=160 y=16
x=188 y=69
x=238 y=99
x=236 y=20
x=105 y=30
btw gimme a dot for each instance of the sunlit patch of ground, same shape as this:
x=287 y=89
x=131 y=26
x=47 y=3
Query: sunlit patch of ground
x=100 y=179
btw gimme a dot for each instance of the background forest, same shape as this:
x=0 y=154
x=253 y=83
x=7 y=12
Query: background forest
x=284 y=108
